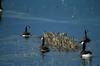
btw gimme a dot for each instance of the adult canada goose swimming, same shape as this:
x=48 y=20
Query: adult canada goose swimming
x=26 y=34
x=84 y=53
x=44 y=48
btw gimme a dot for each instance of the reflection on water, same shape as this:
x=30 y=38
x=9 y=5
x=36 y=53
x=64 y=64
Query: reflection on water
x=0 y=16
x=86 y=62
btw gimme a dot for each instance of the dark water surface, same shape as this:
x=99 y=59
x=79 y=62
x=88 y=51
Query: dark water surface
x=47 y=16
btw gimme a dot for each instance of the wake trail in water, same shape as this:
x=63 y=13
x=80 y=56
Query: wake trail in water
x=27 y=16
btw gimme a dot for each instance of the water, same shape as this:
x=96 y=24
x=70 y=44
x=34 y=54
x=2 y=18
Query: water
x=47 y=16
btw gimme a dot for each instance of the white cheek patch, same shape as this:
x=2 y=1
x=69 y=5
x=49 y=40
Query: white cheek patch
x=0 y=10
x=82 y=42
x=41 y=38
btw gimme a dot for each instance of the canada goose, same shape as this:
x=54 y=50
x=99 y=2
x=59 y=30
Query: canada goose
x=26 y=34
x=44 y=48
x=85 y=54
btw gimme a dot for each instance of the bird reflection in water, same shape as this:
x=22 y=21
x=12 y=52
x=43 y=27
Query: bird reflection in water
x=86 y=62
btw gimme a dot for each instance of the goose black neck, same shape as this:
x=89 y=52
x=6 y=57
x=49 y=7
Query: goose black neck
x=26 y=29
x=86 y=37
x=85 y=34
x=0 y=4
x=83 y=47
